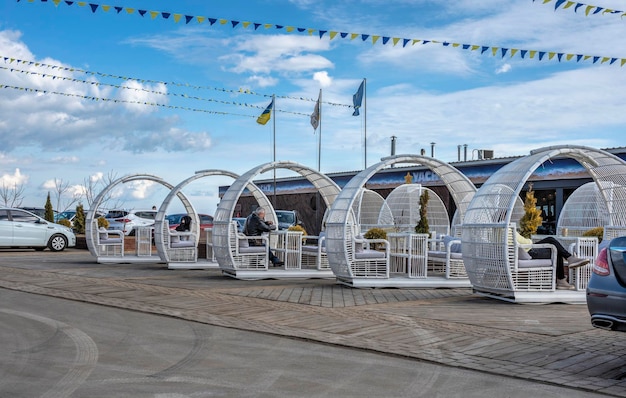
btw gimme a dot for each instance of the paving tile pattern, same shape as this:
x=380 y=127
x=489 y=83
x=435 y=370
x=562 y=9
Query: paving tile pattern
x=548 y=343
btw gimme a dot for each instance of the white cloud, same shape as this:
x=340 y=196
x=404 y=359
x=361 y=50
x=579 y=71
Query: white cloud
x=12 y=180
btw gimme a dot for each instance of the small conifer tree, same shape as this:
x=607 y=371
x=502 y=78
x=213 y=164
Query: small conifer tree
x=422 y=225
x=531 y=220
x=49 y=212
x=79 y=219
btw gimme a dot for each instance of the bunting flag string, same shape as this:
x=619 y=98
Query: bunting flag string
x=11 y=60
x=93 y=83
x=374 y=39
x=93 y=98
x=588 y=9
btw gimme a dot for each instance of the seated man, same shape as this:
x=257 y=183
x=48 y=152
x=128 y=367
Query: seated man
x=255 y=226
x=562 y=254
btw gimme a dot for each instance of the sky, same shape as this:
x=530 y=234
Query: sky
x=106 y=94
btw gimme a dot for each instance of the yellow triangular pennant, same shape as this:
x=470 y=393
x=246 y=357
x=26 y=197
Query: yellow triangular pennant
x=177 y=17
x=353 y=36
x=332 y=35
x=532 y=53
x=375 y=39
x=395 y=40
x=154 y=14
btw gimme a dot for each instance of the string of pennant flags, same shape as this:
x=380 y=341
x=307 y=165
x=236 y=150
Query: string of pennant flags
x=11 y=60
x=587 y=8
x=365 y=37
x=115 y=100
x=95 y=83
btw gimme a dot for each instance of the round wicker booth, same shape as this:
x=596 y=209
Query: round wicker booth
x=108 y=247
x=404 y=202
x=179 y=250
x=584 y=209
x=495 y=261
x=286 y=243
x=371 y=210
x=354 y=268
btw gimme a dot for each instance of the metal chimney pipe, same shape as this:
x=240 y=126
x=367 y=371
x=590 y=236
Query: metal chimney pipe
x=458 y=153
x=465 y=152
x=432 y=149
x=393 y=145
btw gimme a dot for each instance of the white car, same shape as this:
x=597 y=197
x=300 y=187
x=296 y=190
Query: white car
x=20 y=228
x=128 y=220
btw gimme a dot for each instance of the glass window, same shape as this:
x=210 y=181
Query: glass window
x=22 y=216
x=4 y=215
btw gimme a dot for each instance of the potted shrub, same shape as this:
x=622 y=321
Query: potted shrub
x=375 y=233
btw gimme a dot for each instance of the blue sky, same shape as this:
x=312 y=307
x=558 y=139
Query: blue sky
x=420 y=93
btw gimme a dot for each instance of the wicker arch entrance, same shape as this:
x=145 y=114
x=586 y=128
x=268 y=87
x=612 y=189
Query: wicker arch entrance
x=176 y=257
x=340 y=224
x=91 y=230
x=491 y=257
x=222 y=228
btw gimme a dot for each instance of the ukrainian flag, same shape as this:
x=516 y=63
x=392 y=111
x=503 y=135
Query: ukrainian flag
x=267 y=113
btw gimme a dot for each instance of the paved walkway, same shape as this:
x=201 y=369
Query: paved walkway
x=547 y=343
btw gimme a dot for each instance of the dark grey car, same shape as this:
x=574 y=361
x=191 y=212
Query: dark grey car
x=606 y=290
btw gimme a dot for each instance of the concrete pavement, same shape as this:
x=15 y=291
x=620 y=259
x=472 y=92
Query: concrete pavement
x=552 y=343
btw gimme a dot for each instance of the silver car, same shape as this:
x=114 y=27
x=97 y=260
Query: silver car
x=606 y=290
x=128 y=220
x=20 y=228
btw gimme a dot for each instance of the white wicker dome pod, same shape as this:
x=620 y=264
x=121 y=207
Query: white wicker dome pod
x=583 y=210
x=371 y=210
x=490 y=215
x=340 y=224
x=90 y=220
x=189 y=209
x=404 y=202
x=327 y=188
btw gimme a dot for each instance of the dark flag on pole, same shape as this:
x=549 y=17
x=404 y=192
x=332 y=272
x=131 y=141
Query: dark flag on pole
x=315 y=116
x=357 y=99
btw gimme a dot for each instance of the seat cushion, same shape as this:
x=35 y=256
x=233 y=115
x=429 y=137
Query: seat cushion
x=367 y=253
x=182 y=243
x=541 y=262
x=523 y=254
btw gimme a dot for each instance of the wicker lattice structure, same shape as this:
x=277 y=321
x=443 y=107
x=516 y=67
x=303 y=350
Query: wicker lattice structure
x=341 y=226
x=186 y=257
x=404 y=202
x=91 y=223
x=583 y=210
x=222 y=226
x=489 y=252
x=371 y=210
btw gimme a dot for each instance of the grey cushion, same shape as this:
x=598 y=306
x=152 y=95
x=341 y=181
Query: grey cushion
x=244 y=243
x=540 y=262
x=523 y=254
x=182 y=243
x=442 y=255
x=365 y=254
x=456 y=247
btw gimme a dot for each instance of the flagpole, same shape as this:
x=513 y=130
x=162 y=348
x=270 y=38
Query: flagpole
x=274 y=139
x=319 y=139
x=365 y=118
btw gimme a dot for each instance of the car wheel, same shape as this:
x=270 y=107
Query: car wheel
x=57 y=243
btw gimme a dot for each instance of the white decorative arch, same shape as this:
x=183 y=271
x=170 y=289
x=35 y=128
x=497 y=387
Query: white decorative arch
x=490 y=215
x=90 y=225
x=189 y=209
x=327 y=188
x=340 y=221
